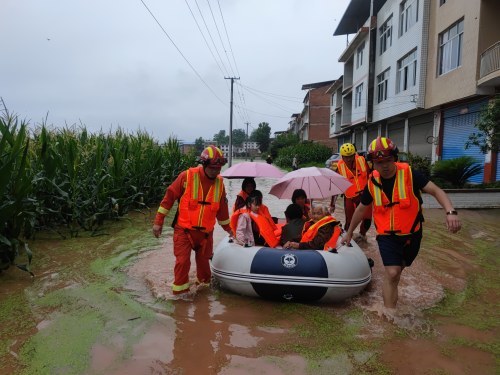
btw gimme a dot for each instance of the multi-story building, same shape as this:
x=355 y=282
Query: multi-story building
x=432 y=66
x=463 y=73
x=247 y=148
x=315 y=117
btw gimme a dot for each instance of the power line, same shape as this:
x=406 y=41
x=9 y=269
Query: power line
x=271 y=94
x=180 y=52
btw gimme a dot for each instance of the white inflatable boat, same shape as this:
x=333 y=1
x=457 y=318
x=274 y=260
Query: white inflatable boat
x=298 y=275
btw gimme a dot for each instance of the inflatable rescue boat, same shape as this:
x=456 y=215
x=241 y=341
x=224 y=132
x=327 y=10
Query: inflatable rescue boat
x=297 y=275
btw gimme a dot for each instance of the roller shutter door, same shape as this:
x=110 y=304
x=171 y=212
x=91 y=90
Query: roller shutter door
x=498 y=168
x=396 y=132
x=372 y=134
x=420 y=128
x=358 y=140
x=458 y=124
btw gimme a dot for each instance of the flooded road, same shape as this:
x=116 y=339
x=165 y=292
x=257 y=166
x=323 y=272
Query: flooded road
x=122 y=318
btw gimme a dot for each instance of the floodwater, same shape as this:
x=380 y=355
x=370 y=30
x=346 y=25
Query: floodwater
x=210 y=331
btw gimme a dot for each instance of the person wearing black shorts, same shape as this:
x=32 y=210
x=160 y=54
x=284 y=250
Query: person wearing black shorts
x=393 y=192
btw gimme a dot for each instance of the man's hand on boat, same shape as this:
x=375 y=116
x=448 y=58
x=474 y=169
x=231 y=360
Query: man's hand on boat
x=346 y=238
x=291 y=245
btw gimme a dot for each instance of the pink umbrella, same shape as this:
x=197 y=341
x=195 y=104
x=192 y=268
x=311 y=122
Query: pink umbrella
x=252 y=169
x=318 y=183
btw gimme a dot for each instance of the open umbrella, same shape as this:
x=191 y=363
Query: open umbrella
x=318 y=183
x=252 y=169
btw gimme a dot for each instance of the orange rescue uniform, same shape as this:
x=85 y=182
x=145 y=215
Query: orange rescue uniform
x=202 y=201
x=312 y=230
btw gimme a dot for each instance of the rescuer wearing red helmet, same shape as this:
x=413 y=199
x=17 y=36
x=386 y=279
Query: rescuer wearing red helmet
x=356 y=170
x=393 y=192
x=202 y=200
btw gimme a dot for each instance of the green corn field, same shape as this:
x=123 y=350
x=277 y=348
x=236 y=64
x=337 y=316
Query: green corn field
x=69 y=180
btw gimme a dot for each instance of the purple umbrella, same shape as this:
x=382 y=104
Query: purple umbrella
x=252 y=169
x=318 y=183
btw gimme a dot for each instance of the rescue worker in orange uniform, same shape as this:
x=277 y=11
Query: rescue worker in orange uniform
x=320 y=233
x=393 y=191
x=356 y=170
x=202 y=200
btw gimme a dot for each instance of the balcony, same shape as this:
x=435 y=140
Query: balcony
x=489 y=71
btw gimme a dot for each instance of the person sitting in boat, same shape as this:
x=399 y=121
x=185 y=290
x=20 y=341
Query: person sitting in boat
x=250 y=227
x=248 y=185
x=264 y=210
x=320 y=233
x=299 y=197
x=292 y=230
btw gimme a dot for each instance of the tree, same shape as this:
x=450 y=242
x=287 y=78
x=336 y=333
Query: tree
x=488 y=124
x=239 y=137
x=221 y=138
x=262 y=135
x=283 y=140
x=199 y=144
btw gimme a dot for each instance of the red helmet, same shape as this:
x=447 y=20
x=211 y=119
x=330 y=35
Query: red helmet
x=212 y=155
x=382 y=148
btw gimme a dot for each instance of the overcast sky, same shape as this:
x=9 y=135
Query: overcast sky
x=108 y=63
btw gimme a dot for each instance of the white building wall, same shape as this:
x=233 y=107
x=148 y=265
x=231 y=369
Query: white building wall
x=406 y=100
x=360 y=76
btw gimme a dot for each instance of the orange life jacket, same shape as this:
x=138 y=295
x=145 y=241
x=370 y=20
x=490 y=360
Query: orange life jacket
x=358 y=179
x=311 y=232
x=402 y=215
x=243 y=194
x=194 y=212
x=265 y=230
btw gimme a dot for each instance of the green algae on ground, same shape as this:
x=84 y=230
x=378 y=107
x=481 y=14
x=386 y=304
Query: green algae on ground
x=90 y=308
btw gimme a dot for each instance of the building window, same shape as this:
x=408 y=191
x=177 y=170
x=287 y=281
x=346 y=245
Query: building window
x=408 y=15
x=450 y=47
x=359 y=55
x=407 y=72
x=382 y=86
x=332 y=100
x=358 y=95
x=332 y=120
x=385 y=32
x=441 y=2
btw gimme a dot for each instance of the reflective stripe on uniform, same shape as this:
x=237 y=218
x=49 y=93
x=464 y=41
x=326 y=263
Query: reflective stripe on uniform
x=163 y=211
x=224 y=222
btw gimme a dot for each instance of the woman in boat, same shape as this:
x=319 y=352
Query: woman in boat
x=320 y=233
x=299 y=197
x=248 y=185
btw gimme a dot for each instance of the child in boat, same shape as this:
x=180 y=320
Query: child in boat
x=299 y=197
x=247 y=187
x=320 y=233
x=251 y=228
x=292 y=230
x=244 y=234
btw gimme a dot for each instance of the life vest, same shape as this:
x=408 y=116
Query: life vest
x=195 y=212
x=243 y=194
x=402 y=215
x=265 y=230
x=358 y=179
x=312 y=230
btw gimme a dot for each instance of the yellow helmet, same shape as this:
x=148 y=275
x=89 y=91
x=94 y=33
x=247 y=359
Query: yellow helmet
x=347 y=149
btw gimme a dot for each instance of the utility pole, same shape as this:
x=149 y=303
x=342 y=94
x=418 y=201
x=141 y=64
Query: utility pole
x=246 y=142
x=231 y=122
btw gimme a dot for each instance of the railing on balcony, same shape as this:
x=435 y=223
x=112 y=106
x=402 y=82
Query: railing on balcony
x=490 y=60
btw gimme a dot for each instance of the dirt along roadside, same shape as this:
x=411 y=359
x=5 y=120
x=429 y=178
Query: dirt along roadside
x=103 y=305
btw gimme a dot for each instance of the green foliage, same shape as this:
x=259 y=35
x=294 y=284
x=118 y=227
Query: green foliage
x=262 y=135
x=488 y=137
x=281 y=141
x=199 y=145
x=221 y=138
x=420 y=163
x=239 y=136
x=68 y=178
x=456 y=171
x=307 y=152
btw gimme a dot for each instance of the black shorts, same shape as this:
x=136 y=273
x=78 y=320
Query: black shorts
x=399 y=250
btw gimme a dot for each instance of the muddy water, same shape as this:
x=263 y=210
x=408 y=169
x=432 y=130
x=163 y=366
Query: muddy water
x=216 y=332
